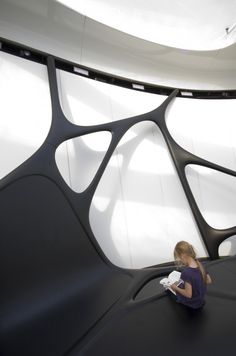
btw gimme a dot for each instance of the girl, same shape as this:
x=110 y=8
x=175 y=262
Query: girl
x=192 y=291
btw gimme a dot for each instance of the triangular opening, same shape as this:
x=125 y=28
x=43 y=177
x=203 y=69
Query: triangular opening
x=78 y=159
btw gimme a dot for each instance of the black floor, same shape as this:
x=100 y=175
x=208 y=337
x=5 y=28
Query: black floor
x=154 y=324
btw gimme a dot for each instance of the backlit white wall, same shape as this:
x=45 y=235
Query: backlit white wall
x=25 y=110
x=139 y=210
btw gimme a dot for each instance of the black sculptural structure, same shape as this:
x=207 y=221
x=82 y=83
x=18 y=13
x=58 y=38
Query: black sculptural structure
x=60 y=295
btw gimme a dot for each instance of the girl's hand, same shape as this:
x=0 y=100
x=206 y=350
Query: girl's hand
x=174 y=286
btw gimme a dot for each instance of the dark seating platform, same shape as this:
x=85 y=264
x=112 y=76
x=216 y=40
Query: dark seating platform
x=153 y=324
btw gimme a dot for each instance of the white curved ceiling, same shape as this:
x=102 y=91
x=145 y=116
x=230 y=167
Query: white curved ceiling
x=51 y=27
x=185 y=24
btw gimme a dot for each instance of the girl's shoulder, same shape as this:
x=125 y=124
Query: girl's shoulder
x=190 y=270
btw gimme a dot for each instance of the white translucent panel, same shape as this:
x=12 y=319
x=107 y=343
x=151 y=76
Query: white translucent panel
x=78 y=159
x=107 y=215
x=62 y=161
x=205 y=128
x=89 y=102
x=25 y=110
x=139 y=211
x=215 y=194
x=126 y=102
x=228 y=247
x=84 y=101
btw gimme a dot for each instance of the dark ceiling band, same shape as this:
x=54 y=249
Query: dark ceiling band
x=37 y=56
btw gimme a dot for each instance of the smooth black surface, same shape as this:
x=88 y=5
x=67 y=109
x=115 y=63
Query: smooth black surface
x=54 y=286
x=60 y=295
x=150 y=289
x=160 y=326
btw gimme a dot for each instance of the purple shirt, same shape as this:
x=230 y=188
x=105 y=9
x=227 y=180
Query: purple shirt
x=193 y=276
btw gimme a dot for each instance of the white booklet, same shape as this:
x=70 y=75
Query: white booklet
x=172 y=278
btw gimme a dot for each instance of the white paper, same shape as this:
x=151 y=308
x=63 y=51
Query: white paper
x=173 y=277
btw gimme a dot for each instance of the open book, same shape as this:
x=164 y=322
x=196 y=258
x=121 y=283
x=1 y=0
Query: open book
x=172 y=278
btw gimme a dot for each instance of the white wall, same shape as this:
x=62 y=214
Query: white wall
x=206 y=128
x=139 y=210
x=25 y=110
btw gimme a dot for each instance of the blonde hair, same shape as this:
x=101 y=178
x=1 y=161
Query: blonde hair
x=183 y=247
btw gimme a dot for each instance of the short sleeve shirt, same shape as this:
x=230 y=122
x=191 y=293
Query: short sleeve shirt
x=193 y=276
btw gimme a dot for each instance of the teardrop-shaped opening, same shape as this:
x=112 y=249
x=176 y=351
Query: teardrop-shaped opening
x=228 y=247
x=78 y=159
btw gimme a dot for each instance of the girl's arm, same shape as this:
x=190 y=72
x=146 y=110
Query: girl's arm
x=208 y=279
x=186 y=291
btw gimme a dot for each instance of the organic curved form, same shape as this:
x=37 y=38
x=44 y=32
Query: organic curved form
x=139 y=210
x=60 y=293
